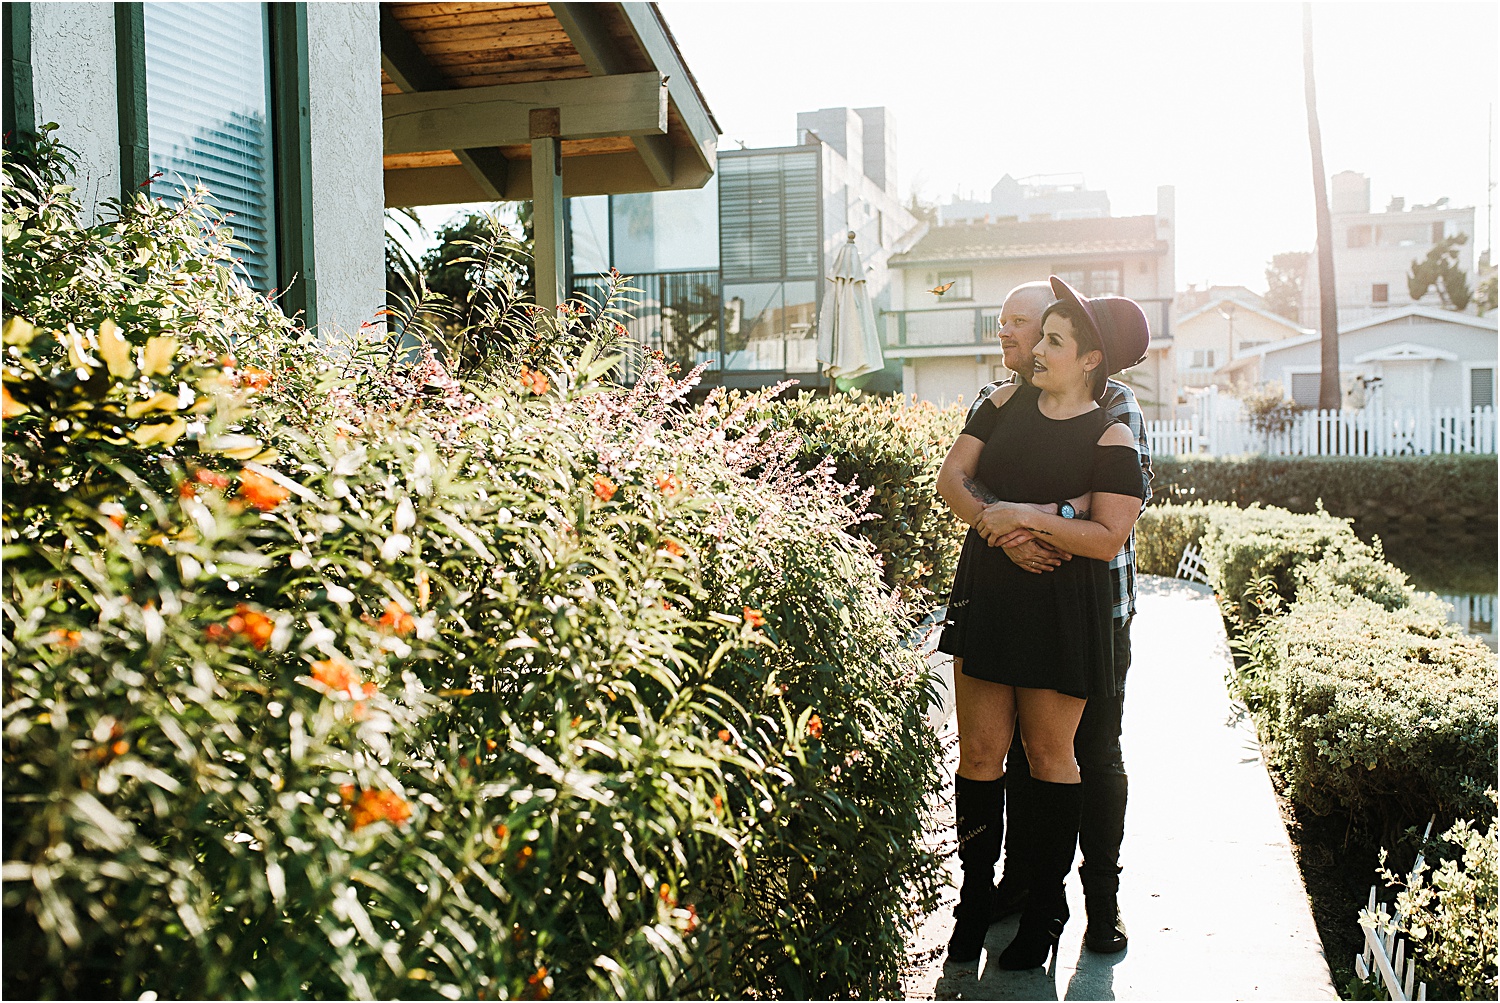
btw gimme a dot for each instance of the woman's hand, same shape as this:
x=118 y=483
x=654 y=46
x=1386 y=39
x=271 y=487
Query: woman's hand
x=1030 y=554
x=1002 y=518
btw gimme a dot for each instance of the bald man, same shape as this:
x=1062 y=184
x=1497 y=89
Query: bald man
x=1097 y=743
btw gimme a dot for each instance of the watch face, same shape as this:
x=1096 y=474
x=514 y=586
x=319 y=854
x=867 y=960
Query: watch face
x=1066 y=510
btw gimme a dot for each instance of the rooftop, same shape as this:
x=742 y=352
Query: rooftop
x=1038 y=239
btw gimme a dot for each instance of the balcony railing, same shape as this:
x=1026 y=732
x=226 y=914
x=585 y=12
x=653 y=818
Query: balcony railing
x=979 y=325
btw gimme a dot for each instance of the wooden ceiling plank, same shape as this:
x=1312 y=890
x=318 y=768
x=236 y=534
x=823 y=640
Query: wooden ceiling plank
x=522 y=32
x=524 y=77
x=426 y=21
x=464 y=118
x=457 y=70
x=475 y=53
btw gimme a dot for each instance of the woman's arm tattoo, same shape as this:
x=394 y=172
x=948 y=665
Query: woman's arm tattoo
x=979 y=491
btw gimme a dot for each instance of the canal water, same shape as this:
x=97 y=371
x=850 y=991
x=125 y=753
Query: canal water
x=1462 y=569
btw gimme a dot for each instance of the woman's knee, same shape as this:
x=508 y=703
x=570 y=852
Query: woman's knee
x=1049 y=758
x=981 y=760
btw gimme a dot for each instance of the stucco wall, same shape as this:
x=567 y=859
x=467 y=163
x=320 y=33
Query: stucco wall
x=73 y=77
x=348 y=185
x=947 y=379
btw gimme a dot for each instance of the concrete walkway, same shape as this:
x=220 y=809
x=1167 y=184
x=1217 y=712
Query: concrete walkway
x=1210 y=894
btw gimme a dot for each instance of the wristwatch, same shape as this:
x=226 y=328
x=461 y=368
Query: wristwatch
x=1066 y=510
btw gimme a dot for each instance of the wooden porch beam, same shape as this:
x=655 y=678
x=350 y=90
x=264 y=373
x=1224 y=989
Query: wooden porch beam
x=601 y=56
x=407 y=65
x=600 y=174
x=631 y=104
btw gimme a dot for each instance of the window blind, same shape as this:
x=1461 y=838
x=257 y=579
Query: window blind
x=208 y=107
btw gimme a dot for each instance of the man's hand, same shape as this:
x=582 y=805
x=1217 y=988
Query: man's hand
x=1035 y=556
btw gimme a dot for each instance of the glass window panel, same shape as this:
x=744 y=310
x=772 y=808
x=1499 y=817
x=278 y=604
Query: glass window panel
x=800 y=315
x=754 y=337
x=768 y=215
x=1106 y=281
x=208 y=108
x=590 y=234
x=667 y=231
x=963 y=285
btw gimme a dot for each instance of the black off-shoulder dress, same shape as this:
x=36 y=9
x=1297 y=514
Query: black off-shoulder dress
x=1051 y=631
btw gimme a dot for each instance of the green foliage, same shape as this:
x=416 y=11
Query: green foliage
x=1450 y=911
x=1268 y=408
x=525 y=686
x=1164 y=531
x=890 y=448
x=1285 y=274
x=1369 y=487
x=1441 y=268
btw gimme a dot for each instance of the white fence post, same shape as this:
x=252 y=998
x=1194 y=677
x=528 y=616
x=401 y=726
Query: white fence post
x=1219 y=427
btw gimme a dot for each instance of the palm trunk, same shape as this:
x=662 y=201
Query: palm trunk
x=1329 y=393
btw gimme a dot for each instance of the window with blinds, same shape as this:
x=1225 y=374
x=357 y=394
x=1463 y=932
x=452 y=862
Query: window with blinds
x=768 y=216
x=208 y=110
x=1482 y=387
x=1305 y=388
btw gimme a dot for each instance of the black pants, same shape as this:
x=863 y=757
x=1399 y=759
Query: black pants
x=1101 y=764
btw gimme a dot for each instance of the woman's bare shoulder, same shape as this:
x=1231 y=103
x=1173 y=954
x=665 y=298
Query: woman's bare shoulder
x=1117 y=434
x=1003 y=394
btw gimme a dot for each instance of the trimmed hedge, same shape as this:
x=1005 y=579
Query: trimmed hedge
x=1374 y=490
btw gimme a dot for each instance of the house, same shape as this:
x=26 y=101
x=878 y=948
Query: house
x=1229 y=321
x=733 y=275
x=307 y=120
x=949 y=343
x=1373 y=252
x=1413 y=357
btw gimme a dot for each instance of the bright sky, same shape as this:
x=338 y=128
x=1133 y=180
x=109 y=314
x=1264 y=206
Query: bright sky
x=1207 y=97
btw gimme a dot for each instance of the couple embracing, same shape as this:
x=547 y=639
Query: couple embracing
x=1050 y=472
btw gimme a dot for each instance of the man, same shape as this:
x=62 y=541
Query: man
x=1097 y=743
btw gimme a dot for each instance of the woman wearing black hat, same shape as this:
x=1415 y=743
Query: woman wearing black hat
x=1031 y=647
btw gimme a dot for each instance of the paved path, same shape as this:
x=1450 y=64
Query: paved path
x=1211 y=895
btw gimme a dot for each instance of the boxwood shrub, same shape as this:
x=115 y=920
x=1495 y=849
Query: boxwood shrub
x=330 y=674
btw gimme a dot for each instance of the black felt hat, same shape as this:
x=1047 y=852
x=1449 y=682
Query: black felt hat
x=1118 y=323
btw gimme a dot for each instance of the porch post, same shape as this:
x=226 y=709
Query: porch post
x=547 y=208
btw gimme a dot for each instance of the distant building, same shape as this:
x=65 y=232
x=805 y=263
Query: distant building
x=1034 y=199
x=1373 y=251
x=1217 y=327
x=949 y=344
x=734 y=274
x=1412 y=357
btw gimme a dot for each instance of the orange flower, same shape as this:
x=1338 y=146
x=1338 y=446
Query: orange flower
x=672 y=547
x=254 y=379
x=186 y=490
x=10 y=406
x=668 y=484
x=336 y=674
x=65 y=638
x=718 y=804
x=260 y=491
x=380 y=806
x=541 y=988
x=533 y=380
x=754 y=618
x=502 y=831
x=691 y=923
x=212 y=478
x=815 y=726
x=724 y=734
x=604 y=488
x=396 y=620
x=666 y=894
x=524 y=857
x=256 y=627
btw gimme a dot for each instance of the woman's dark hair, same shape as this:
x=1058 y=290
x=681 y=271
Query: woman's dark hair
x=1083 y=333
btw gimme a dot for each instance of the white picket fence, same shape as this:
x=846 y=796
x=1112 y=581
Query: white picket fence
x=1384 y=953
x=1219 y=427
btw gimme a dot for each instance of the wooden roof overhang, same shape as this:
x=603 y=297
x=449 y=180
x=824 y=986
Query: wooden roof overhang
x=468 y=87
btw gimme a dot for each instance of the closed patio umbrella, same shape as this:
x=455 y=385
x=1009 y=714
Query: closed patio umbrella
x=848 y=343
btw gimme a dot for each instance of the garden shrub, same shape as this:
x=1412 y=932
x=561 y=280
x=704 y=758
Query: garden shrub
x=1367 y=488
x=892 y=448
x=1164 y=531
x=334 y=676
x=1385 y=715
x=1450 y=908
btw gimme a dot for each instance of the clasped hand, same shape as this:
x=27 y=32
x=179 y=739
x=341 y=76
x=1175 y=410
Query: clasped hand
x=1002 y=524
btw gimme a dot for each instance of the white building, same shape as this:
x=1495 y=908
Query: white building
x=1373 y=251
x=1033 y=199
x=1413 y=357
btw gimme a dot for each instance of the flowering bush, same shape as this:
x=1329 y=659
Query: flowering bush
x=366 y=680
x=891 y=448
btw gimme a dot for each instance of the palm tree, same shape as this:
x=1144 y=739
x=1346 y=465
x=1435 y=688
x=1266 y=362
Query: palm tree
x=1329 y=394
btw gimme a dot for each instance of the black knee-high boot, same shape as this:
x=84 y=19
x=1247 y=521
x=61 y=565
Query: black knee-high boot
x=1056 y=809
x=980 y=809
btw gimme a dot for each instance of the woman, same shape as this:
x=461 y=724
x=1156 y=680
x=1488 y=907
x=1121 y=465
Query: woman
x=1029 y=647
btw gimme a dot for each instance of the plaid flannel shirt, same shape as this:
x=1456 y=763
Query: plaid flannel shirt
x=1119 y=402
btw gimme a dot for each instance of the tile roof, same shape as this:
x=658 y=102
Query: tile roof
x=1036 y=239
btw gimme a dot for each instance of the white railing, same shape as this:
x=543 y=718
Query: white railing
x=1219 y=427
